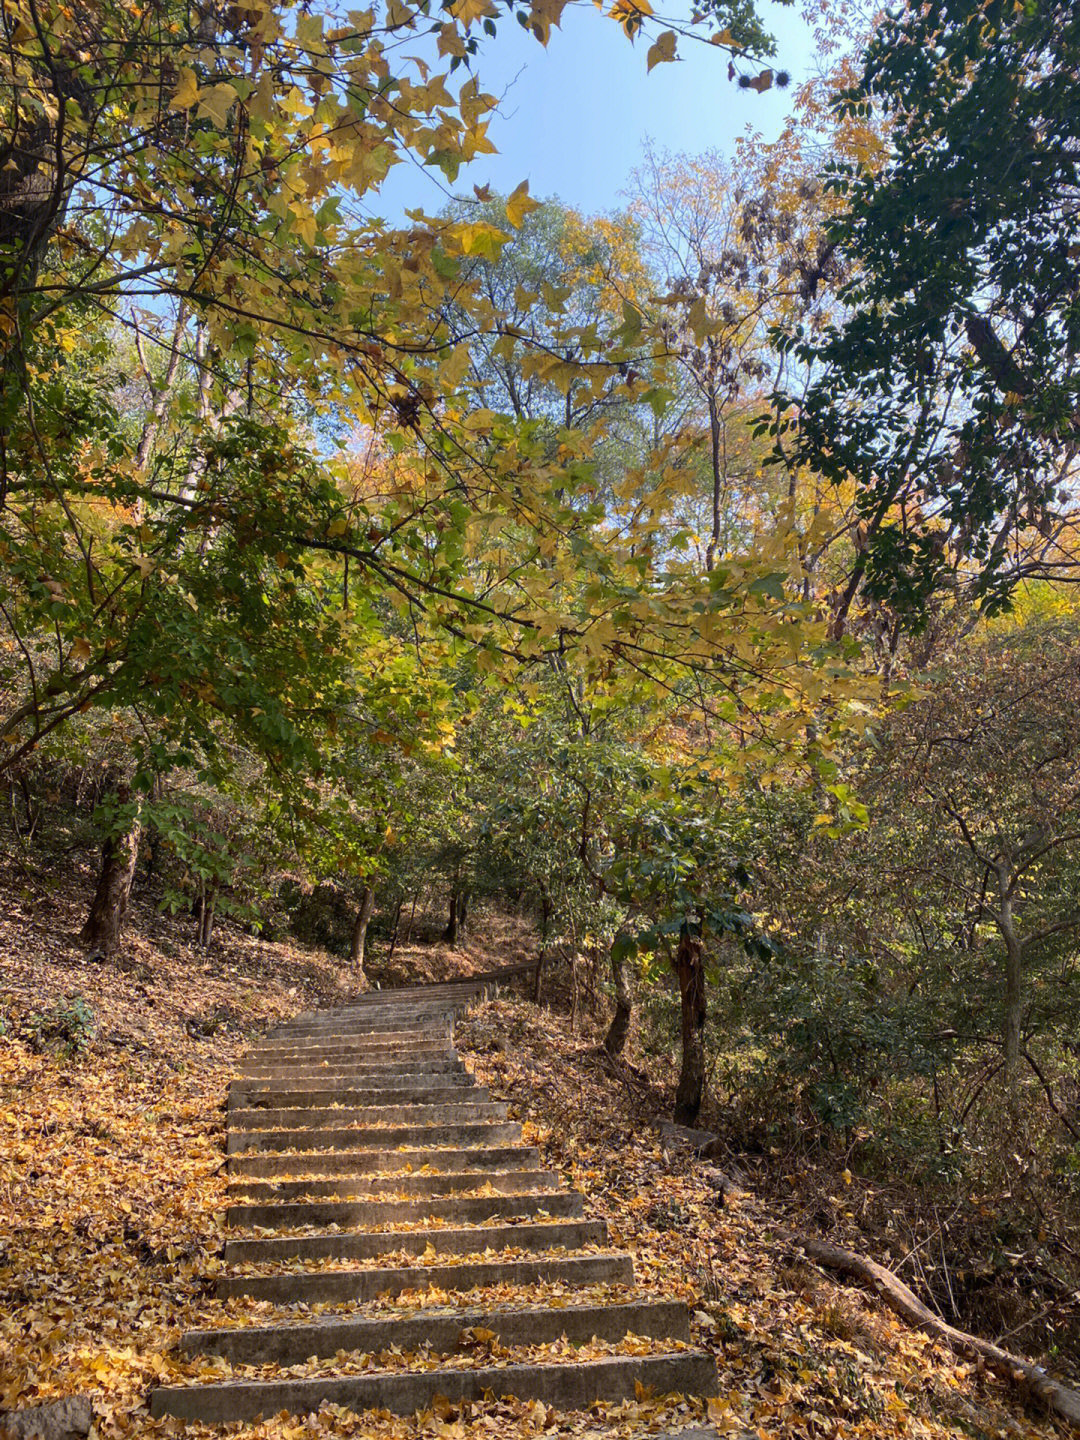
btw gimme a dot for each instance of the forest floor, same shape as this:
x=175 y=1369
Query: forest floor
x=112 y=1077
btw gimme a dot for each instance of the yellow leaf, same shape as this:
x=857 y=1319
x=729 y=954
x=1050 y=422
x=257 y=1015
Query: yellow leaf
x=80 y=651
x=519 y=205
x=216 y=103
x=663 y=50
x=187 y=92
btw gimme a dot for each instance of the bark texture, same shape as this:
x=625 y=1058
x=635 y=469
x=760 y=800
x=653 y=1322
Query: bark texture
x=108 y=909
x=615 y=1039
x=690 y=971
x=360 y=928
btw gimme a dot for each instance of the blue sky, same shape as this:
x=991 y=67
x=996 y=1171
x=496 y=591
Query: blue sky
x=573 y=117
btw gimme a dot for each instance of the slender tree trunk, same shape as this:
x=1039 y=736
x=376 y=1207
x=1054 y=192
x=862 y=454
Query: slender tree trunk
x=690 y=970
x=449 y=935
x=108 y=909
x=1014 y=969
x=464 y=896
x=717 y=483
x=394 y=930
x=360 y=928
x=206 y=916
x=615 y=1039
x=412 y=917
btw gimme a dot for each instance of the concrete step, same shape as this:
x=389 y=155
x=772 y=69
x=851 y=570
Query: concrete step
x=433 y=1018
x=566 y=1385
x=360 y=1162
x=493 y=1132
x=311 y=1287
x=421 y=1036
x=316 y=1117
x=509 y=1182
x=345 y=1070
x=532 y=1235
x=382 y=1016
x=350 y=1049
x=442 y=1333
x=344 y=1077
x=471 y=1210
x=457 y=1093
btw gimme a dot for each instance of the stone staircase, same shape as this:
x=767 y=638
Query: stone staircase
x=367 y=1174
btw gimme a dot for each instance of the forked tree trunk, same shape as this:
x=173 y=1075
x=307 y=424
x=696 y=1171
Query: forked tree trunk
x=360 y=928
x=690 y=970
x=615 y=1039
x=109 y=907
x=205 y=916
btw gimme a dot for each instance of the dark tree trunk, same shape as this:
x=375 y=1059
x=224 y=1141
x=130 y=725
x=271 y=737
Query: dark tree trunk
x=394 y=930
x=449 y=935
x=615 y=1039
x=360 y=928
x=204 y=912
x=108 y=909
x=690 y=970
x=464 y=896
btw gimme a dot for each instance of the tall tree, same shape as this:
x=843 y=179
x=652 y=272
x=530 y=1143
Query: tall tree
x=949 y=386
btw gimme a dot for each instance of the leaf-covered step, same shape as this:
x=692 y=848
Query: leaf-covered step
x=318 y=1117
x=400 y=1160
x=412 y=1035
x=360 y=1187
x=565 y=1203
x=339 y=1049
x=568 y=1385
x=534 y=1235
x=451 y=1090
x=535 y=1325
x=345 y=1069
x=493 y=1132
x=310 y=1286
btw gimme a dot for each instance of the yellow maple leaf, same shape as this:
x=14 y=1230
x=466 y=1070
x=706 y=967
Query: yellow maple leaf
x=216 y=103
x=187 y=92
x=520 y=204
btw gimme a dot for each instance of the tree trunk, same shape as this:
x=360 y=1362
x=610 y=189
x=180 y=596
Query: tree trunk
x=615 y=1039
x=360 y=928
x=449 y=935
x=108 y=909
x=464 y=896
x=206 y=916
x=412 y=917
x=1014 y=960
x=394 y=931
x=717 y=482
x=690 y=970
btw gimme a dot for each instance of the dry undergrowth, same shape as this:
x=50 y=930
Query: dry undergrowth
x=797 y=1354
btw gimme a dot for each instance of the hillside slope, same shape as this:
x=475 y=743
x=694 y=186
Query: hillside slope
x=111 y=1193
x=797 y=1354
